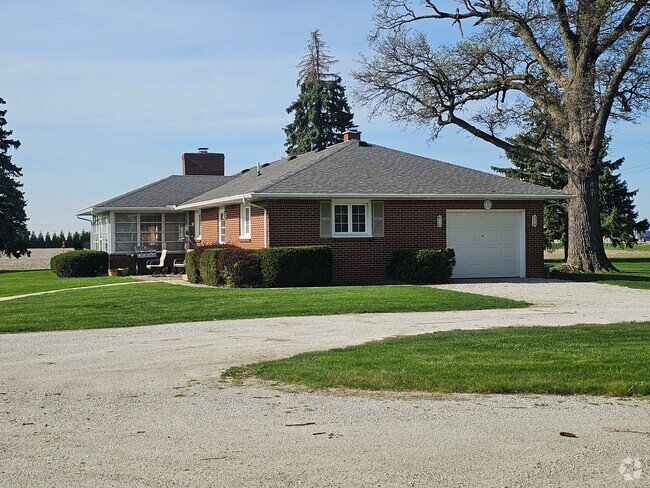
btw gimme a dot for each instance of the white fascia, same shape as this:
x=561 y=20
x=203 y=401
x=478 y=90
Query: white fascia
x=98 y=210
x=388 y=196
x=215 y=202
x=247 y=197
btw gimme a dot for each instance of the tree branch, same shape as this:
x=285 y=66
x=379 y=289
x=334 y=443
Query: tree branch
x=612 y=90
x=518 y=150
x=569 y=38
x=621 y=28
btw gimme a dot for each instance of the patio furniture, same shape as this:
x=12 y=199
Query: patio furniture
x=157 y=265
x=179 y=264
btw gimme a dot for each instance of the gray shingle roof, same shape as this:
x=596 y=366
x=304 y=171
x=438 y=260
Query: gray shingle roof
x=348 y=168
x=172 y=190
x=360 y=168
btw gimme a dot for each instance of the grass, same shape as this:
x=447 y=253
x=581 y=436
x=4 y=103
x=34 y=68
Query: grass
x=636 y=247
x=590 y=359
x=24 y=282
x=159 y=303
x=634 y=272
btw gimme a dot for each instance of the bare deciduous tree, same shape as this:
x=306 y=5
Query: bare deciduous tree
x=582 y=63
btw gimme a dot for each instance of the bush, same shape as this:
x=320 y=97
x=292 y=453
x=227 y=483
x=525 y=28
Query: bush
x=192 y=267
x=296 y=266
x=239 y=268
x=79 y=263
x=209 y=266
x=422 y=265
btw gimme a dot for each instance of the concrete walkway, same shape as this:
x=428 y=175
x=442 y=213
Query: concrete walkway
x=49 y=292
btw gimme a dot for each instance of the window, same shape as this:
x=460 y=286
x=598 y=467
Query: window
x=126 y=232
x=100 y=232
x=222 y=225
x=151 y=231
x=197 y=224
x=160 y=231
x=174 y=232
x=351 y=219
x=245 y=222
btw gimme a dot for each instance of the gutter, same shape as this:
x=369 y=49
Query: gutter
x=370 y=196
x=394 y=196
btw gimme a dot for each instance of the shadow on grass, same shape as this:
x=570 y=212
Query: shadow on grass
x=632 y=271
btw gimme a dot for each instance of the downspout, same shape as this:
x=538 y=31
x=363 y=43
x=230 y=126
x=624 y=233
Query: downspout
x=91 y=228
x=266 y=219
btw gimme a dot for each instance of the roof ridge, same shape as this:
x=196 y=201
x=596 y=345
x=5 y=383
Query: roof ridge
x=308 y=164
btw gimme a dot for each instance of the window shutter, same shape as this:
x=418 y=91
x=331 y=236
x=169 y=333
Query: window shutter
x=377 y=219
x=326 y=218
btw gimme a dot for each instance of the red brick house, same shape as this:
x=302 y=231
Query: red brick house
x=363 y=200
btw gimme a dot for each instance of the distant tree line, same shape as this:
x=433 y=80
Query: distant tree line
x=76 y=240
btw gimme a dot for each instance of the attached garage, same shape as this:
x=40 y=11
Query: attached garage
x=488 y=243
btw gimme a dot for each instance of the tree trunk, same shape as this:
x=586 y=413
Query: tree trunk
x=586 y=251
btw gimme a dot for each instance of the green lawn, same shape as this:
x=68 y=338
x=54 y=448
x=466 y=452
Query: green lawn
x=159 y=303
x=637 y=247
x=590 y=359
x=634 y=272
x=23 y=282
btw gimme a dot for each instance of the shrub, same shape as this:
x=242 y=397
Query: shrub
x=296 y=266
x=422 y=265
x=239 y=268
x=209 y=266
x=79 y=263
x=192 y=267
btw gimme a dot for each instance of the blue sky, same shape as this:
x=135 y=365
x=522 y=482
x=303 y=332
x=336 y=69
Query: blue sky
x=105 y=96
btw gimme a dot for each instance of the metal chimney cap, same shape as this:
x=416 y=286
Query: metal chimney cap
x=203 y=150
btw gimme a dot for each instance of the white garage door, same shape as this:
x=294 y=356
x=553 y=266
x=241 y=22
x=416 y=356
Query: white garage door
x=488 y=244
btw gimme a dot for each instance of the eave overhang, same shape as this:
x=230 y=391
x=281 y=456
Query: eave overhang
x=367 y=196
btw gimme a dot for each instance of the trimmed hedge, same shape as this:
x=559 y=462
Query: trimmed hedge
x=422 y=266
x=79 y=263
x=209 y=266
x=240 y=268
x=296 y=266
x=192 y=267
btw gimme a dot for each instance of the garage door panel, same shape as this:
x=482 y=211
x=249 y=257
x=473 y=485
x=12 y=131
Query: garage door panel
x=491 y=220
x=509 y=219
x=510 y=252
x=491 y=252
x=487 y=243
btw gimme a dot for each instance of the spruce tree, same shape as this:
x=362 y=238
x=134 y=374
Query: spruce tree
x=13 y=220
x=321 y=112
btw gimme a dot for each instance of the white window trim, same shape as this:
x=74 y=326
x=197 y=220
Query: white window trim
x=242 y=221
x=197 y=224
x=350 y=234
x=221 y=225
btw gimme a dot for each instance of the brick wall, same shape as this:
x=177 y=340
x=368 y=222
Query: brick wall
x=407 y=224
x=209 y=225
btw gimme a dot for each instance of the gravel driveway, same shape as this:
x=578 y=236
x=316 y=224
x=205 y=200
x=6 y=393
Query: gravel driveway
x=145 y=406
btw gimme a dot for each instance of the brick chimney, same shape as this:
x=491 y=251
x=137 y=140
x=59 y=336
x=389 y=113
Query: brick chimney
x=203 y=163
x=351 y=135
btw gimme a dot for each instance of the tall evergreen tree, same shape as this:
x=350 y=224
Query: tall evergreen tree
x=321 y=112
x=13 y=220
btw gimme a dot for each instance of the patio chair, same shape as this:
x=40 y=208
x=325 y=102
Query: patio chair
x=179 y=264
x=157 y=265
